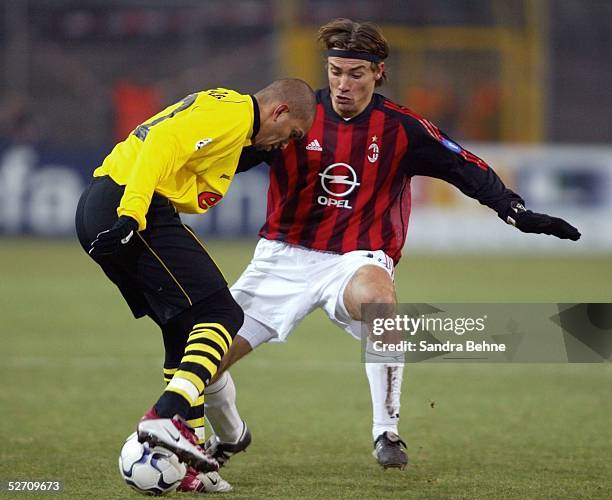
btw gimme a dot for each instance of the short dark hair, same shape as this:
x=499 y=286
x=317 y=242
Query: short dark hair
x=295 y=92
x=346 y=34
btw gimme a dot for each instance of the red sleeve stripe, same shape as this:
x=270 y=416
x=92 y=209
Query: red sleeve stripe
x=472 y=158
x=430 y=127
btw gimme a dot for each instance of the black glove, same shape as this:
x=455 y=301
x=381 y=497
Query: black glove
x=532 y=222
x=112 y=240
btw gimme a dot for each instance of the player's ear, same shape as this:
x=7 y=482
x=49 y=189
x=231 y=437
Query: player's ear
x=279 y=110
x=379 y=71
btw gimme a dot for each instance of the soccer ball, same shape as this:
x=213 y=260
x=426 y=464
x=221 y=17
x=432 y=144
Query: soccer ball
x=150 y=471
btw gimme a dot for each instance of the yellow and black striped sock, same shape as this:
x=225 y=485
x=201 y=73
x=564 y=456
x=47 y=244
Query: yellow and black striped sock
x=168 y=374
x=195 y=415
x=195 y=418
x=206 y=345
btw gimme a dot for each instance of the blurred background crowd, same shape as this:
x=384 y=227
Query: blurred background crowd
x=525 y=84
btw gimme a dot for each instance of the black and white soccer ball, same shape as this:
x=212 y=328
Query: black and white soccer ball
x=150 y=471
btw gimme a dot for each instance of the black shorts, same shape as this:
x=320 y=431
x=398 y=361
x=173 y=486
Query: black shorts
x=164 y=269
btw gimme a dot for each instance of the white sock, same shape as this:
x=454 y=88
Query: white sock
x=385 y=387
x=221 y=410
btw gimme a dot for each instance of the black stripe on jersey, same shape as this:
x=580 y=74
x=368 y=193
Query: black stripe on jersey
x=288 y=217
x=301 y=172
x=359 y=141
x=402 y=209
x=278 y=170
x=330 y=136
x=389 y=142
x=387 y=231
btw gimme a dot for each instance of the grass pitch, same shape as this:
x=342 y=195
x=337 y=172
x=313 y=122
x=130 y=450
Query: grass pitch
x=77 y=372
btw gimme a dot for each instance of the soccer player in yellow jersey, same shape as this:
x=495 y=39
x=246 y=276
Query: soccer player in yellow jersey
x=182 y=160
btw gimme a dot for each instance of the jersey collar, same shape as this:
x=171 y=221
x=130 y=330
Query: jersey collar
x=255 y=117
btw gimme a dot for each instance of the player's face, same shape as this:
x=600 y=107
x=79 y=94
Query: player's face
x=352 y=83
x=279 y=129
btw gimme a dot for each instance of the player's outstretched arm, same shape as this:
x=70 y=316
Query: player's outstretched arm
x=533 y=222
x=435 y=155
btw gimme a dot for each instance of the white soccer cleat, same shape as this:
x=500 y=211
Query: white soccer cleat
x=176 y=436
x=200 y=482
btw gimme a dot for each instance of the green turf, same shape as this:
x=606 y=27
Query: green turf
x=77 y=372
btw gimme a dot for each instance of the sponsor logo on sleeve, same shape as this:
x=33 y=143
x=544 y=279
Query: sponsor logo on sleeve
x=453 y=146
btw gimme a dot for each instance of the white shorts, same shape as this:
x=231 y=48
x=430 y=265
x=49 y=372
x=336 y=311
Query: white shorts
x=284 y=283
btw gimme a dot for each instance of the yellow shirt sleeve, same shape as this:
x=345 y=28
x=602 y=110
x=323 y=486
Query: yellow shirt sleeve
x=158 y=159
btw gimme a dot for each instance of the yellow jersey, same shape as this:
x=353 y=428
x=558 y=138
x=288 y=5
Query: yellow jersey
x=188 y=153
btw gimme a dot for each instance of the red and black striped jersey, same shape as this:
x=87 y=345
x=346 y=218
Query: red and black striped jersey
x=346 y=185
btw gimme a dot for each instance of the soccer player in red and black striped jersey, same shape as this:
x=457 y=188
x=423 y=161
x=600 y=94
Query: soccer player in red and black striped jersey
x=338 y=210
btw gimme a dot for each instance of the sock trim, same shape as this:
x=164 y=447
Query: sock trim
x=212 y=389
x=185 y=388
x=193 y=378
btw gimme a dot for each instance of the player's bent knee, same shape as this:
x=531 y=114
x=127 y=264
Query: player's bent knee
x=378 y=295
x=235 y=315
x=220 y=307
x=175 y=333
x=369 y=285
x=382 y=300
